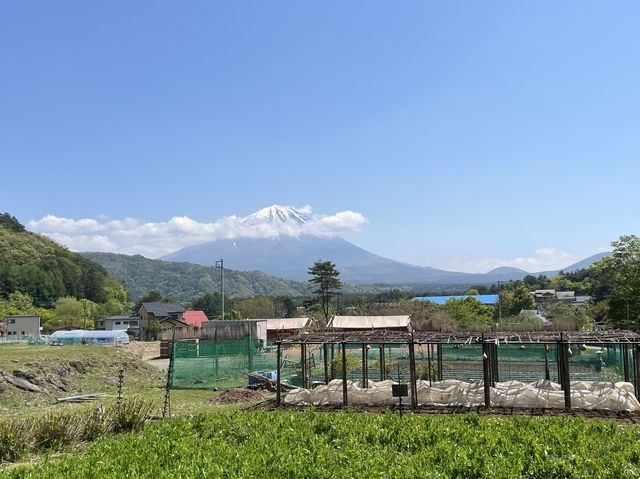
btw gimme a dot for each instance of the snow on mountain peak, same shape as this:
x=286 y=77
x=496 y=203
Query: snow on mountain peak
x=278 y=214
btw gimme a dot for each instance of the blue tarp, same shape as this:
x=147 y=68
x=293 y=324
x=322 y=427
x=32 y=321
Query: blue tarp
x=483 y=298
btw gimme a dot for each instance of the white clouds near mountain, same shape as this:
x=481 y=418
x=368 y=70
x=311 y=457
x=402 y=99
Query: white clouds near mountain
x=153 y=239
x=542 y=259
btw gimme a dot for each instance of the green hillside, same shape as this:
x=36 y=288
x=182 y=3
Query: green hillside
x=38 y=266
x=186 y=281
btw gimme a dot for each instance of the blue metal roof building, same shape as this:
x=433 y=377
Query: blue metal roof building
x=483 y=298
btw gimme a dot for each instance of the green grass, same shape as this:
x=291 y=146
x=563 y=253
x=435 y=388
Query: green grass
x=348 y=445
x=101 y=366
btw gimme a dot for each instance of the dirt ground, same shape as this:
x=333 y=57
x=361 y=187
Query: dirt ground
x=144 y=350
x=235 y=395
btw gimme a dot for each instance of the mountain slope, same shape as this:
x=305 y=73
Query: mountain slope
x=582 y=264
x=38 y=266
x=186 y=281
x=289 y=249
x=290 y=257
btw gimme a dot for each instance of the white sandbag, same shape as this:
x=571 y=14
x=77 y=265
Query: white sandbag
x=539 y=394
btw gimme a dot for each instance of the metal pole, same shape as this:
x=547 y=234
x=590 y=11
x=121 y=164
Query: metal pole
x=439 y=356
x=345 y=398
x=303 y=363
x=429 y=361
x=382 y=365
x=365 y=378
x=325 y=350
x=547 y=375
x=220 y=264
x=412 y=373
x=634 y=367
x=625 y=361
x=485 y=376
x=278 y=371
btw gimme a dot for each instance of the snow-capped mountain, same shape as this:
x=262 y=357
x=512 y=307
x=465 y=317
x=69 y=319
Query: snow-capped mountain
x=277 y=214
x=289 y=256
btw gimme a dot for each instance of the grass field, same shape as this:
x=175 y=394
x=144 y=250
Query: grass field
x=348 y=445
x=98 y=373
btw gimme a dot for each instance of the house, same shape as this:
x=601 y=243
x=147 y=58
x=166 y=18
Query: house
x=23 y=326
x=483 y=298
x=123 y=323
x=357 y=323
x=169 y=313
x=172 y=327
x=194 y=318
x=542 y=295
x=282 y=327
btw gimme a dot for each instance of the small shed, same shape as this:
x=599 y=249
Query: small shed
x=234 y=329
x=358 y=323
x=283 y=327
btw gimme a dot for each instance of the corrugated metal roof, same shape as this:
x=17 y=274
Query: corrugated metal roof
x=369 y=322
x=286 y=323
x=483 y=298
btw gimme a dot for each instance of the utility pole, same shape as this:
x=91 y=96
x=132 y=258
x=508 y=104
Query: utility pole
x=500 y=283
x=220 y=264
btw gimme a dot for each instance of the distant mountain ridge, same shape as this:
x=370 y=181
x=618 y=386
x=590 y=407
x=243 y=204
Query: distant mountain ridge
x=187 y=281
x=290 y=257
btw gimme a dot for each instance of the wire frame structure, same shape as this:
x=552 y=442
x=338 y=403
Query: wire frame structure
x=377 y=355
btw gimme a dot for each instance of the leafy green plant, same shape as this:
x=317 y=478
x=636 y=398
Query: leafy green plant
x=325 y=446
x=352 y=363
x=19 y=437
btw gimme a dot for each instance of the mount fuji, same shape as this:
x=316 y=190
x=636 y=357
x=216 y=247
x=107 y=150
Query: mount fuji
x=289 y=256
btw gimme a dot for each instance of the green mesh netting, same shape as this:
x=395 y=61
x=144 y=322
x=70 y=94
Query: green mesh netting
x=208 y=364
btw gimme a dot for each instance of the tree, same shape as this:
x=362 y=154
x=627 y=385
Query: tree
x=469 y=313
x=512 y=301
x=210 y=303
x=258 y=307
x=10 y=222
x=72 y=312
x=567 y=317
x=285 y=307
x=324 y=276
x=620 y=272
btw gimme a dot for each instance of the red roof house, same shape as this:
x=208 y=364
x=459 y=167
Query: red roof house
x=194 y=318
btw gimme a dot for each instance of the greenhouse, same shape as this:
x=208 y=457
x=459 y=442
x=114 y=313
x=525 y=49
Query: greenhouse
x=81 y=336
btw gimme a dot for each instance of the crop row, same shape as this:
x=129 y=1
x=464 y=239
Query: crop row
x=348 y=445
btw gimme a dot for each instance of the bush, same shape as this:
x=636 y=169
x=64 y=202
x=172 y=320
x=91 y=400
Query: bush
x=53 y=432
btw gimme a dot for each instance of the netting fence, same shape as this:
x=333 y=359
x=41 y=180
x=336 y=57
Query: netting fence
x=209 y=364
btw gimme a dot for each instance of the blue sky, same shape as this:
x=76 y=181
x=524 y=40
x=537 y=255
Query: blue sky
x=469 y=134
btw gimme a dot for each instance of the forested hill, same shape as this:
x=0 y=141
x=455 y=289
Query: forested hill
x=186 y=281
x=33 y=264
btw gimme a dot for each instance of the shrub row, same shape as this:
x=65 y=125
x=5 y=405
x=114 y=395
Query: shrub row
x=19 y=437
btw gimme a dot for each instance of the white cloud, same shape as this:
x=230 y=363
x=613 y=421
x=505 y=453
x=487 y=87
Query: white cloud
x=543 y=259
x=133 y=236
